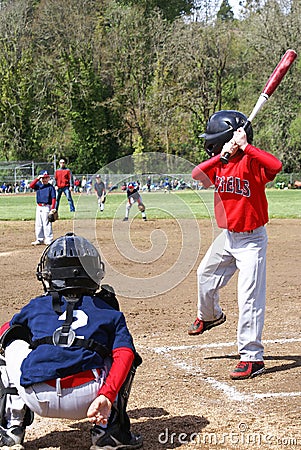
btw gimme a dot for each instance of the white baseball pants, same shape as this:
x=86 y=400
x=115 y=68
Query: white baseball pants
x=247 y=253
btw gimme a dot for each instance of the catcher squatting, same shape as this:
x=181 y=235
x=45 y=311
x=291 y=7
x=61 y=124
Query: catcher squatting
x=68 y=353
x=57 y=362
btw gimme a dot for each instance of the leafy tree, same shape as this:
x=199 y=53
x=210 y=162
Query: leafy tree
x=170 y=9
x=225 y=12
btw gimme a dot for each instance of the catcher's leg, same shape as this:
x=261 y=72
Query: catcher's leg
x=14 y=414
x=118 y=429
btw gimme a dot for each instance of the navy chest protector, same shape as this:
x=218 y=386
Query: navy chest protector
x=64 y=336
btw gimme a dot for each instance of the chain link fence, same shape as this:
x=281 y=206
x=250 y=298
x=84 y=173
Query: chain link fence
x=15 y=176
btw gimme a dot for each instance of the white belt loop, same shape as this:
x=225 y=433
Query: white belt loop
x=58 y=387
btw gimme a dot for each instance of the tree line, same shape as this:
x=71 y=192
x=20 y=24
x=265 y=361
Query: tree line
x=96 y=80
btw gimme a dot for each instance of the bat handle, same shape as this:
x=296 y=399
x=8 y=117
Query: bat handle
x=225 y=158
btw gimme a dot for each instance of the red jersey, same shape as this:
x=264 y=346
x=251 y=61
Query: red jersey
x=63 y=178
x=240 y=202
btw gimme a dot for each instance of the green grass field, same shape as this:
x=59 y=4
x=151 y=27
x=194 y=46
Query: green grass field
x=160 y=205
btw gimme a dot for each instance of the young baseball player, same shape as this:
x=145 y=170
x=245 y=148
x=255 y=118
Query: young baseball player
x=45 y=197
x=100 y=191
x=133 y=196
x=241 y=210
x=68 y=353
x=64 y=184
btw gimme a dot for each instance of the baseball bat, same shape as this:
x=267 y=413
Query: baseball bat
x=273 y=82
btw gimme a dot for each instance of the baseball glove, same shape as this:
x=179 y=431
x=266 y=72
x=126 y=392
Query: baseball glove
x=141 y=207
x=53 y=215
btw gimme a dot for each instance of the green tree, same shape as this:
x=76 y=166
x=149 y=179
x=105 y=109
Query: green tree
x=225 y=12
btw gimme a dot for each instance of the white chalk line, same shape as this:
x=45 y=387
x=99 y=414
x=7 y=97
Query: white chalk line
x=172 y=348
x=9 y=253
x=229 y=391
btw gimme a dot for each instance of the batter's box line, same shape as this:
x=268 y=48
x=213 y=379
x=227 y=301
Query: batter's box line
x=228 y=390
x=173 y=348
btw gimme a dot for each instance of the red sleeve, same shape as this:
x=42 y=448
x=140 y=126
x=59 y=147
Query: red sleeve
x=3 y=328
x=33 y=183
x=53 y=203
x=123 y=358
x=272 y=164
x=200 y=171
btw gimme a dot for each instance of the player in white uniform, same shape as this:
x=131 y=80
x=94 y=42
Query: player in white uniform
x=241 y=210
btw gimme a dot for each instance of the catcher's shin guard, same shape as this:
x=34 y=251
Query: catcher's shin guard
x=6 y=390
x=119 y=413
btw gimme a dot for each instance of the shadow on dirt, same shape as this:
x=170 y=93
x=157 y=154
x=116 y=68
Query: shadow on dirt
x=296 y=361
x=158 y=430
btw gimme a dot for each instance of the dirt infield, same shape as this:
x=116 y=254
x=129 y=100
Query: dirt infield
x=182 y=396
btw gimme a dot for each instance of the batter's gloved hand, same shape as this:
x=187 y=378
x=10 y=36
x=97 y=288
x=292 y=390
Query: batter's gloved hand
x=53 y=215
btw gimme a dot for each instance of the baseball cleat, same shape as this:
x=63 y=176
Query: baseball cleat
x=114 y=438
x=247 y=369
x=199 y=326
x=37 y=242
x=12 y=437
x=125 y=219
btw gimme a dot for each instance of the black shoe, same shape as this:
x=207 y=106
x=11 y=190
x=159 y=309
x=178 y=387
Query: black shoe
x=114 y=438
x=11 y=436
x=125 y=219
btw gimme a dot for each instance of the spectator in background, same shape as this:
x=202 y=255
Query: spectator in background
x=149 y=183
x=84 y=182
x=64 y=184
x=77 y=185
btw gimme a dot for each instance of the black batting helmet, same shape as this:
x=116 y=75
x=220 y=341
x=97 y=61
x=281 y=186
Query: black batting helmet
x=220 y=128
x=71 y=264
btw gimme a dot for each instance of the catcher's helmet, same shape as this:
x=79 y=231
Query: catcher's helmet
x=71 y=264
x=220 y=128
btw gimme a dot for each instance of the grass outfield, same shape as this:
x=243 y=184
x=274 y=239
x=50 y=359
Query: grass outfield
x=159 y=205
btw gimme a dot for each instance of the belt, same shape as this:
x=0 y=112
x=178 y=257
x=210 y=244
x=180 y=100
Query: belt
x=247 y=231
x=44 y=204
x=74 y=380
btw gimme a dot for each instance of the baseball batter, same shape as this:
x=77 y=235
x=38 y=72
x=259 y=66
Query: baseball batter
x=241 y=210
x=68 y=353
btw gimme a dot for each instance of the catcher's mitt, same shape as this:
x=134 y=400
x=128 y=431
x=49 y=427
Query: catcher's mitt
x=141 y=207
x=53 y=215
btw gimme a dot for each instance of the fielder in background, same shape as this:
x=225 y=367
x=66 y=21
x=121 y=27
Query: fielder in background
x=45 y=197
x=64 y=184
x=100 y=190
x=241 y=210
x=68 y=353
x=133 y=196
